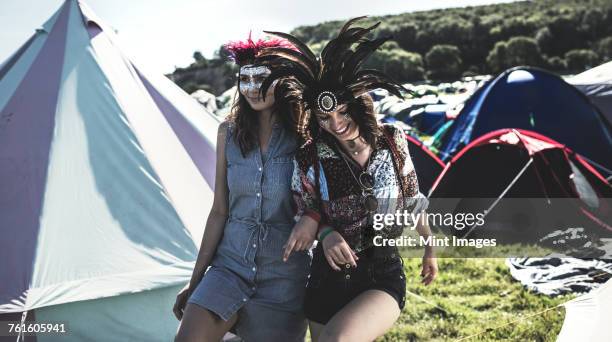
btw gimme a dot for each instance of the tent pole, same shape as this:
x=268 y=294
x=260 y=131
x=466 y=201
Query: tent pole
x=488 y=210
x=23 y=318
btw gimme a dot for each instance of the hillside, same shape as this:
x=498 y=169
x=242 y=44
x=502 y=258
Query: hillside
x=563 y=36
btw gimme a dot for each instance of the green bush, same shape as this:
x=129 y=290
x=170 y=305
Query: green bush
x=443 y=62
x=556 y=63
x=604 y=49
x=402 y=65
x=579 y=60
x=514 y=52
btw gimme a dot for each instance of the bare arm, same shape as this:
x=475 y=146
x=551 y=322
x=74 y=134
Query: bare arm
x=218 y=213
x=409 y=179
x=422 y=227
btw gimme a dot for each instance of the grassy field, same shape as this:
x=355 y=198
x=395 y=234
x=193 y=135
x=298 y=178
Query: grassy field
x=475 y=295
x=469 y=296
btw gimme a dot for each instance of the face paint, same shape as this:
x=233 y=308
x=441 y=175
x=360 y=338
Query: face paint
x=255 y=76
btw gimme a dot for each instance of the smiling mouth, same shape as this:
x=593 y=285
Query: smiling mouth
x=342 y=131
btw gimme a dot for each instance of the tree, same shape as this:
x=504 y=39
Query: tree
x=451 y=30
x=545 y=40
x=514 y=52
x=443 y=62
x=564 y=35
x=515 y=26
x=556 y=63
x=579 y=60
x=476 y=50
x=593 y=22
x=198 y=56
x=405 y=36
x=401 y=65
x=200 y=60
x=390 y=45
x=424 y=41
x=604 y=49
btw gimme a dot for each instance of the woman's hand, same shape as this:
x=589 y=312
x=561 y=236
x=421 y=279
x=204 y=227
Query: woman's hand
x=430 y=267
x=338 y=252
x=181 y=301
x=302 y=236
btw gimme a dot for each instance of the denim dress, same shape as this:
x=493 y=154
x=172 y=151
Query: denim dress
x=247 y=274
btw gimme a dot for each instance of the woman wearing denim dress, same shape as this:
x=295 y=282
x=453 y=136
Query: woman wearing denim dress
x=251 y=288
x=348 y=169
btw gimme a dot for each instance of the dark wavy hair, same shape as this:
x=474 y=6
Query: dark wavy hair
x=245 y=118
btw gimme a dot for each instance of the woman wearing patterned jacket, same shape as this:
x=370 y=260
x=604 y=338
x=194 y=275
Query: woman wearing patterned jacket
x=347 y=169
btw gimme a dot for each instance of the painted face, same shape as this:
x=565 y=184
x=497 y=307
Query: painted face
x=338 y=123
x=251 y=78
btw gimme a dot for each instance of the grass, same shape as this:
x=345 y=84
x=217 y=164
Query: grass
x=473 y=295
x=470 y=296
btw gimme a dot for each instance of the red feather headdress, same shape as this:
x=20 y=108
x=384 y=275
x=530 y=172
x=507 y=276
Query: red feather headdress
x=245 y=52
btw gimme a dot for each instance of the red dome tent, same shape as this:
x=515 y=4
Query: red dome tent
x=528 y=183
x=427 y=165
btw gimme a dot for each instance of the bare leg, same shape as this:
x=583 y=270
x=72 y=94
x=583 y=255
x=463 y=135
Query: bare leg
x=365 y=318
x=202 y=325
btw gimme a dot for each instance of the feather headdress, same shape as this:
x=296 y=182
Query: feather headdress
x=245 y=52
x=323 y=83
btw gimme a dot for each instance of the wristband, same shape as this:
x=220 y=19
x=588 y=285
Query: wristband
x=326 y=231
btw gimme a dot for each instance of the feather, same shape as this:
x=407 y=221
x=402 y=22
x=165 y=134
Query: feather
x=362 y=53
x=286 y=71
x=303 y=48
x=368 y=72
x=337 y=69
x=292 y=55
x=350 y=22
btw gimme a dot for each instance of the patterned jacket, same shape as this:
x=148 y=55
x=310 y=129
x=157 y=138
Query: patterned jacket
x=337 y=200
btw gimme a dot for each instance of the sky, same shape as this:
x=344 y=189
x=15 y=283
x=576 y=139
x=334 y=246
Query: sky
x=163 y=34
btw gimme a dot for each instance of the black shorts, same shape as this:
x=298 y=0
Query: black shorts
x=328 y=291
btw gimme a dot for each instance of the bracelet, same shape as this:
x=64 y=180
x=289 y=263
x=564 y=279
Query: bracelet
x=325 y=233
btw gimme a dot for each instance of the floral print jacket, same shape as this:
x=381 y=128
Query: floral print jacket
x=337 y=200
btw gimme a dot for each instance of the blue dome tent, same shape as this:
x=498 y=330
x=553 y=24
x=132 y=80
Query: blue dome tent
x=534 y=99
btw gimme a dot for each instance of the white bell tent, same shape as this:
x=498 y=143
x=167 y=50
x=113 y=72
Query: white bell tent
x=106 y=177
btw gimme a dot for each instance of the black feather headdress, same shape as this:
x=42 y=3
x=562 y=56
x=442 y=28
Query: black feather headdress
x=323 y=83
